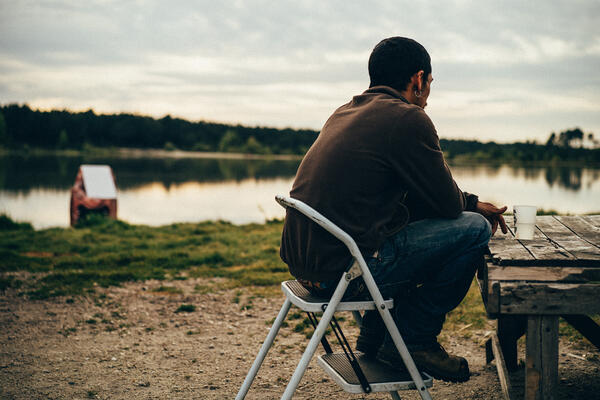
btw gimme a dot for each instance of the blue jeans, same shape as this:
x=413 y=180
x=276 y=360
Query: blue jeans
x=427 y=268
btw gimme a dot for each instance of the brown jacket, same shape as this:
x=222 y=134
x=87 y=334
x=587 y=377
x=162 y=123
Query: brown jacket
x=373 y=156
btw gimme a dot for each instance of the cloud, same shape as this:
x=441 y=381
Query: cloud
x=292 y=63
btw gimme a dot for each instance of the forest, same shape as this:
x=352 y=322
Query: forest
x=23 y=129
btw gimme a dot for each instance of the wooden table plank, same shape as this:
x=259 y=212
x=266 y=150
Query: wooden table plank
x=544 y=252
x=543 y=298
x=547 y=252
x=543 y=274
x=582 y=227
x=562 y=236
x=592 y=219
x=509 y=249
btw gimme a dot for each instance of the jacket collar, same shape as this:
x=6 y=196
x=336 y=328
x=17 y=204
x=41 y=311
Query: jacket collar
x=386 y=90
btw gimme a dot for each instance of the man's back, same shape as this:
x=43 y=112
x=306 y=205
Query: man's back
x=370 y=153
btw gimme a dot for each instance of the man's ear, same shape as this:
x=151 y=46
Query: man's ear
x=417 y=80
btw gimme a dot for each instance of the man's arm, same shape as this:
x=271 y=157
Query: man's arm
x=415 y=149
x=431 y=180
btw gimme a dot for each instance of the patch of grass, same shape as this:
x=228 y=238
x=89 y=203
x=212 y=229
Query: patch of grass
x=470 y=312
x=7 y=224
x=186 y=308
x=67 y=331
x=9 y=282
x=203 y=289
x=167 y=290
x=302 y=325
x=116 y=315
x=101 y=252
x=236 y=298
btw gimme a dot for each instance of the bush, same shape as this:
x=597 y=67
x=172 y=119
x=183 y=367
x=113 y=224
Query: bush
x=7 y=224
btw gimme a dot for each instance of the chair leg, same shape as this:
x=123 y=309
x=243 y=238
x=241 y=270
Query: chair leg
x=395 y=396
x=406 y=357
x=315 y=339
x=395 y=334
x=264 y=349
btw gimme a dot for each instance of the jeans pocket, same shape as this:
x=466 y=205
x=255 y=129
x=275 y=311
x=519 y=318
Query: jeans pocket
x=387 y=252
x=395 y=290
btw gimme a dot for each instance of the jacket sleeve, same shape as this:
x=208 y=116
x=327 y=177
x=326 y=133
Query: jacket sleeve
x=423 y=169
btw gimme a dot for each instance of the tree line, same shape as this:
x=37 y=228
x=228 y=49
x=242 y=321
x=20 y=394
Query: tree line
x=569 y=145
x=22 y=128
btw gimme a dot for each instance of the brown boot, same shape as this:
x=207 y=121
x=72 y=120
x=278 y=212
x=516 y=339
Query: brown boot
x=435 y=361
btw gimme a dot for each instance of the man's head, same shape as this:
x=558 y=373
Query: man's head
x=394 y=61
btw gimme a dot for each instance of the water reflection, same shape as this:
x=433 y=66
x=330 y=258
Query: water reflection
x=18 y=173
x=570 y=178
x=163 y=190
x=563 y=189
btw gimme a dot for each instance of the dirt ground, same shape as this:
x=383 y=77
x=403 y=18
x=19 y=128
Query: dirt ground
x=129 y=343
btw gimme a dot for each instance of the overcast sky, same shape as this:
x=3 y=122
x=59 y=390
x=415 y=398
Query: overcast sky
x=504 y=70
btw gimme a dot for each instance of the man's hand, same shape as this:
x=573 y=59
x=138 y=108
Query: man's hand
x=492 y=214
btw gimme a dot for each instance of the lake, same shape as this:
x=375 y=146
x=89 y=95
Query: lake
x=158 y=191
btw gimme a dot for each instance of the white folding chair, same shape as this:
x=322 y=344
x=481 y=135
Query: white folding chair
x=355 y=374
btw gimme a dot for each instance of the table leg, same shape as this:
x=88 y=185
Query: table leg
x=541 y=373
x=510 y=329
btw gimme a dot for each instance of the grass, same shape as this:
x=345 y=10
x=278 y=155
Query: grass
x=167 y=290
x=105 y=252
x=470 y=312
x=186 y=308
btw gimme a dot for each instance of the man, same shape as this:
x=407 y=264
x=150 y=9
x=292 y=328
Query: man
x=377 y=171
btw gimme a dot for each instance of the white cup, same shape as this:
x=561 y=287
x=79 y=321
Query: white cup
x=524 y=231
x=524 y=217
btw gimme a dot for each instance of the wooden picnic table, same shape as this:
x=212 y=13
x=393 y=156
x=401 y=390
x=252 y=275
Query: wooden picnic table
x=527 y=284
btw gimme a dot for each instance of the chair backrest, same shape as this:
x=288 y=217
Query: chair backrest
x=326 y=224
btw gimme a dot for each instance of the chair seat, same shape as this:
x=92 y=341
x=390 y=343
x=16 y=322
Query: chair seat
x=306 y=301
x=381 y=377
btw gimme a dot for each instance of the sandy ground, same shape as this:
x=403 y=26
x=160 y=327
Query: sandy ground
x=128 y=343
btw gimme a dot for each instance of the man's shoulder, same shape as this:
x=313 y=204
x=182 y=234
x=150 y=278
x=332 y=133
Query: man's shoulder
x=403 y=116
x=377 y=106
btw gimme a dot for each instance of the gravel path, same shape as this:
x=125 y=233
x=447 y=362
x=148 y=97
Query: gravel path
x=129 y=343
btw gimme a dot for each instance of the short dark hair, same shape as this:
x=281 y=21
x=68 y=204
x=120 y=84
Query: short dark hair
x=395 y=60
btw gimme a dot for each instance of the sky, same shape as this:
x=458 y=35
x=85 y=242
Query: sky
x=504 y=70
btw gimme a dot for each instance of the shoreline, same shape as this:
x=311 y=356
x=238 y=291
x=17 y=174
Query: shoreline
x=125 y=152
x=140 y=153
